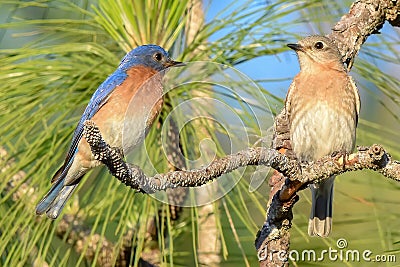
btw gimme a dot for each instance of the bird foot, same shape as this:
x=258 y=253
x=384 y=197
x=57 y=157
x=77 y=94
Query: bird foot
x=341 y=157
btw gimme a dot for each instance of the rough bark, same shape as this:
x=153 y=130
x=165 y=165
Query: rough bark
x=374 y=158
x=365 y=17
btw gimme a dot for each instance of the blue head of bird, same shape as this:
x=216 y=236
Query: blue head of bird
x=152 y=56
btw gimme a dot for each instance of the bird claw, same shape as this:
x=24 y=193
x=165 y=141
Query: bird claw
x=341 y=156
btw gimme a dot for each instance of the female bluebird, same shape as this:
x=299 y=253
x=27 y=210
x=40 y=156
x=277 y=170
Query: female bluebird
x=108 y=108
x=323 y=106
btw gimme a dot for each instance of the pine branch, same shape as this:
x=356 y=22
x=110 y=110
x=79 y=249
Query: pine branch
x=133 y=176
x=299 y=175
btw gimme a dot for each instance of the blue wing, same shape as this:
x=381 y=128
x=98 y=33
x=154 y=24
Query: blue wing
x=98 y=99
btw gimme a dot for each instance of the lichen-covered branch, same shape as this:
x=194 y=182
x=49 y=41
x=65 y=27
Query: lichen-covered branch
x=134 y=177
x=374 y=158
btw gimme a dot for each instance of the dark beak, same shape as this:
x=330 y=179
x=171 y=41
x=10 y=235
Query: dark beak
x=295 y=47
x=171 y=63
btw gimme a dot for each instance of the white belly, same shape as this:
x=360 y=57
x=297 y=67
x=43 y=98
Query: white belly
x=320 y=131
x=133 y=132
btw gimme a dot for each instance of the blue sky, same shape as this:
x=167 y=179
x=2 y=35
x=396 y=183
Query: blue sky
x=280 y=66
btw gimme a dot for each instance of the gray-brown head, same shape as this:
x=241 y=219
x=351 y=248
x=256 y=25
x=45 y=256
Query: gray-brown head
x=317 y=49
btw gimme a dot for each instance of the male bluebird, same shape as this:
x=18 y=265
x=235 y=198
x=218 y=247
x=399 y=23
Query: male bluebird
x=323 y=106
x=108 y=109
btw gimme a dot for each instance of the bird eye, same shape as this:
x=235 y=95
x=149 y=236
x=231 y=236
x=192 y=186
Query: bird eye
x=158 y=56
x=319 y=45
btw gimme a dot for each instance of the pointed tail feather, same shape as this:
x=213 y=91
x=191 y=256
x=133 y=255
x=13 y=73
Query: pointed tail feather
x=320 y=223
x=54 y=210
x=49 y=198
x=54 y=201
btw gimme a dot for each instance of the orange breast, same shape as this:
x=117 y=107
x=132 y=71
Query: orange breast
x=138 y=97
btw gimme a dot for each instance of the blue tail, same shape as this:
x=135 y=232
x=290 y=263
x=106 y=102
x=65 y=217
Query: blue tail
x=58 y=204
x=54 y=201
x=49 y=198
